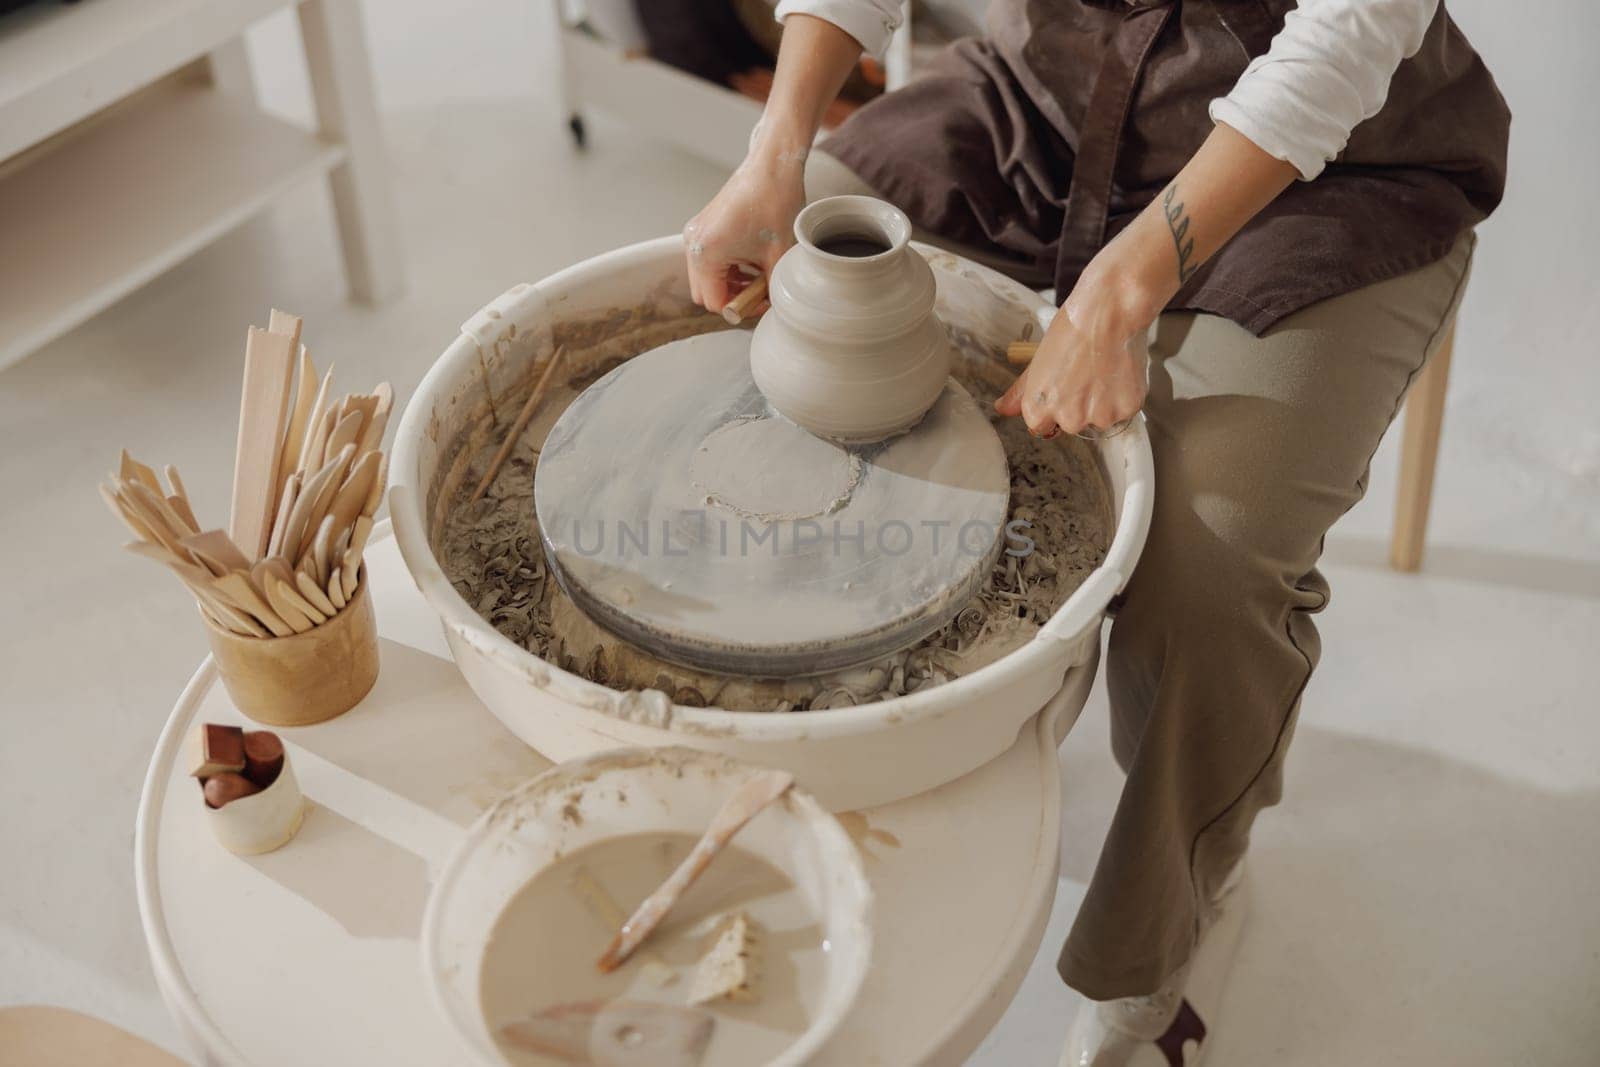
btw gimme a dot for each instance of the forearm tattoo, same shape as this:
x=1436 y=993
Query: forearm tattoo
x=1178 y=224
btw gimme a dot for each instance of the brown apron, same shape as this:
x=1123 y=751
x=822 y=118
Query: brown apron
x=1048 y=137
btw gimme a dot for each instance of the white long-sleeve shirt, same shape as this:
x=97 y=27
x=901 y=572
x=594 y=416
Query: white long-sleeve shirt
x=1327 y=70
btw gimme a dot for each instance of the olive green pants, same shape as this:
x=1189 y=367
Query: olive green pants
x=1261 y=444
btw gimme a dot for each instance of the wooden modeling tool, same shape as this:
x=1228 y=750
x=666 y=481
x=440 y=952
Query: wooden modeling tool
x=350 y=560
x=346 y=431
x=216 y=551
x=314 y=594
x=315 y=496
x=375 y=493
x=745 y=804
x=179 y=498
x=189 y=572
x=238 y=588
x=134 y=524
x=523 y=417
x=310 y=457
x=746 y=299
x=1021 y=353
x=263 y=404
x=283 y=322
x=294 y=435
x=288 y=496
x=226 y=614
x=263 y=581
x=378 y=421
x=308 y=475
x=129 y=499
x=322 y=549
x=285 y=591
x=179 y=502
x=153 y=509
x=221 y=610
x=351 y=498
x=338 y=467
x=131 y=470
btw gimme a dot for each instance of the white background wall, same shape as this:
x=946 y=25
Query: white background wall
x=1522 y=428
x=1525 y=397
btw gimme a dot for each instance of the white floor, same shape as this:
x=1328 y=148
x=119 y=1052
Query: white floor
x=1425 y=894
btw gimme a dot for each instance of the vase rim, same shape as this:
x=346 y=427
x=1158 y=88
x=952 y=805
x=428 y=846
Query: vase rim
x=862 y=217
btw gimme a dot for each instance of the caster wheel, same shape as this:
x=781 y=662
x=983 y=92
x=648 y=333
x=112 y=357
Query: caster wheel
x=580 y=133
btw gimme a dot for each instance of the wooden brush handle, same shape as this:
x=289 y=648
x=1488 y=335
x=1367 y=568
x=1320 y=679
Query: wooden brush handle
x=745 y=804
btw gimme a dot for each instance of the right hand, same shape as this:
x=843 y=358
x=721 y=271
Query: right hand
x=745 y=228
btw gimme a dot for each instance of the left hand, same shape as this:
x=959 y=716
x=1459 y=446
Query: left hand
x=1092 y=368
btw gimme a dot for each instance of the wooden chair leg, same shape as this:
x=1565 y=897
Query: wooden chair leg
x=1419 y=452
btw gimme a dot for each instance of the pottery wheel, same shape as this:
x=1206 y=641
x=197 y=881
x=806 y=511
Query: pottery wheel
x=681 y=513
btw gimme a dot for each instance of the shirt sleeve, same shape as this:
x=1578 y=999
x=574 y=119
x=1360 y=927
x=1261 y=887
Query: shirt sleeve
x=1328 y=69
x=870 y=22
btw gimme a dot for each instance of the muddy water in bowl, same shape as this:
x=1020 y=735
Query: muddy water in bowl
x=732 y=978
x=531 y=897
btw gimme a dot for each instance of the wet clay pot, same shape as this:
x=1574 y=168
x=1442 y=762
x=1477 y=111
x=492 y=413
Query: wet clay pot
x=851 y=349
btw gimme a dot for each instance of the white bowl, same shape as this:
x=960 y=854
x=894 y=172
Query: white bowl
x=634 y=299
x=666 y=789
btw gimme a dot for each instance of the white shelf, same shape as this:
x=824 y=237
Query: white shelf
x=132 y=195
x=62 y=62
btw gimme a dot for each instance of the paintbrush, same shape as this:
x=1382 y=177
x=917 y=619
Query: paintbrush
x=745 y=804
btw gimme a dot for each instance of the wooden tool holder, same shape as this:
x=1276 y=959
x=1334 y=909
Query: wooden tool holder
x=303 y=678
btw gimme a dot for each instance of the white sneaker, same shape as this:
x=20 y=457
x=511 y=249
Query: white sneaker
x=1166 y=1028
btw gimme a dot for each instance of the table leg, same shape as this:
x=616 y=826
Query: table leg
x=347 y=111
x=229 y=68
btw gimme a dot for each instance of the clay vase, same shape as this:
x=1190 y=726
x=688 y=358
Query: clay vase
x=851 y=349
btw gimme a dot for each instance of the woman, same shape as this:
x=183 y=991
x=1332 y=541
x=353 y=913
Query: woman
x=1258 y=219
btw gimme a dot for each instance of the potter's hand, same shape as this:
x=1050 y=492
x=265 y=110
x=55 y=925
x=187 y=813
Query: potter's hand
x=744 y=229
x=1092 y=368
x=750 y=223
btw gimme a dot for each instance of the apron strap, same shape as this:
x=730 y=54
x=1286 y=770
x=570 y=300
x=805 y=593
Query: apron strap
x=1083 y=229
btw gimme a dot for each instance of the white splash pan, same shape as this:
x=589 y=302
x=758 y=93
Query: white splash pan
x=667 y=789
x=634 y=299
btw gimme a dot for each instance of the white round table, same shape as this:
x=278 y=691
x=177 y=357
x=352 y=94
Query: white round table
x=309 y=955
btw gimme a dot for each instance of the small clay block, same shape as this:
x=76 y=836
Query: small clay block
x=263 y=757
x=216 y=749
x=222 y=789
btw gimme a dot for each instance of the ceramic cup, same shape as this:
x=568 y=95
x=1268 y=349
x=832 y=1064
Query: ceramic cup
x=261 y=822
x=851 y=349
